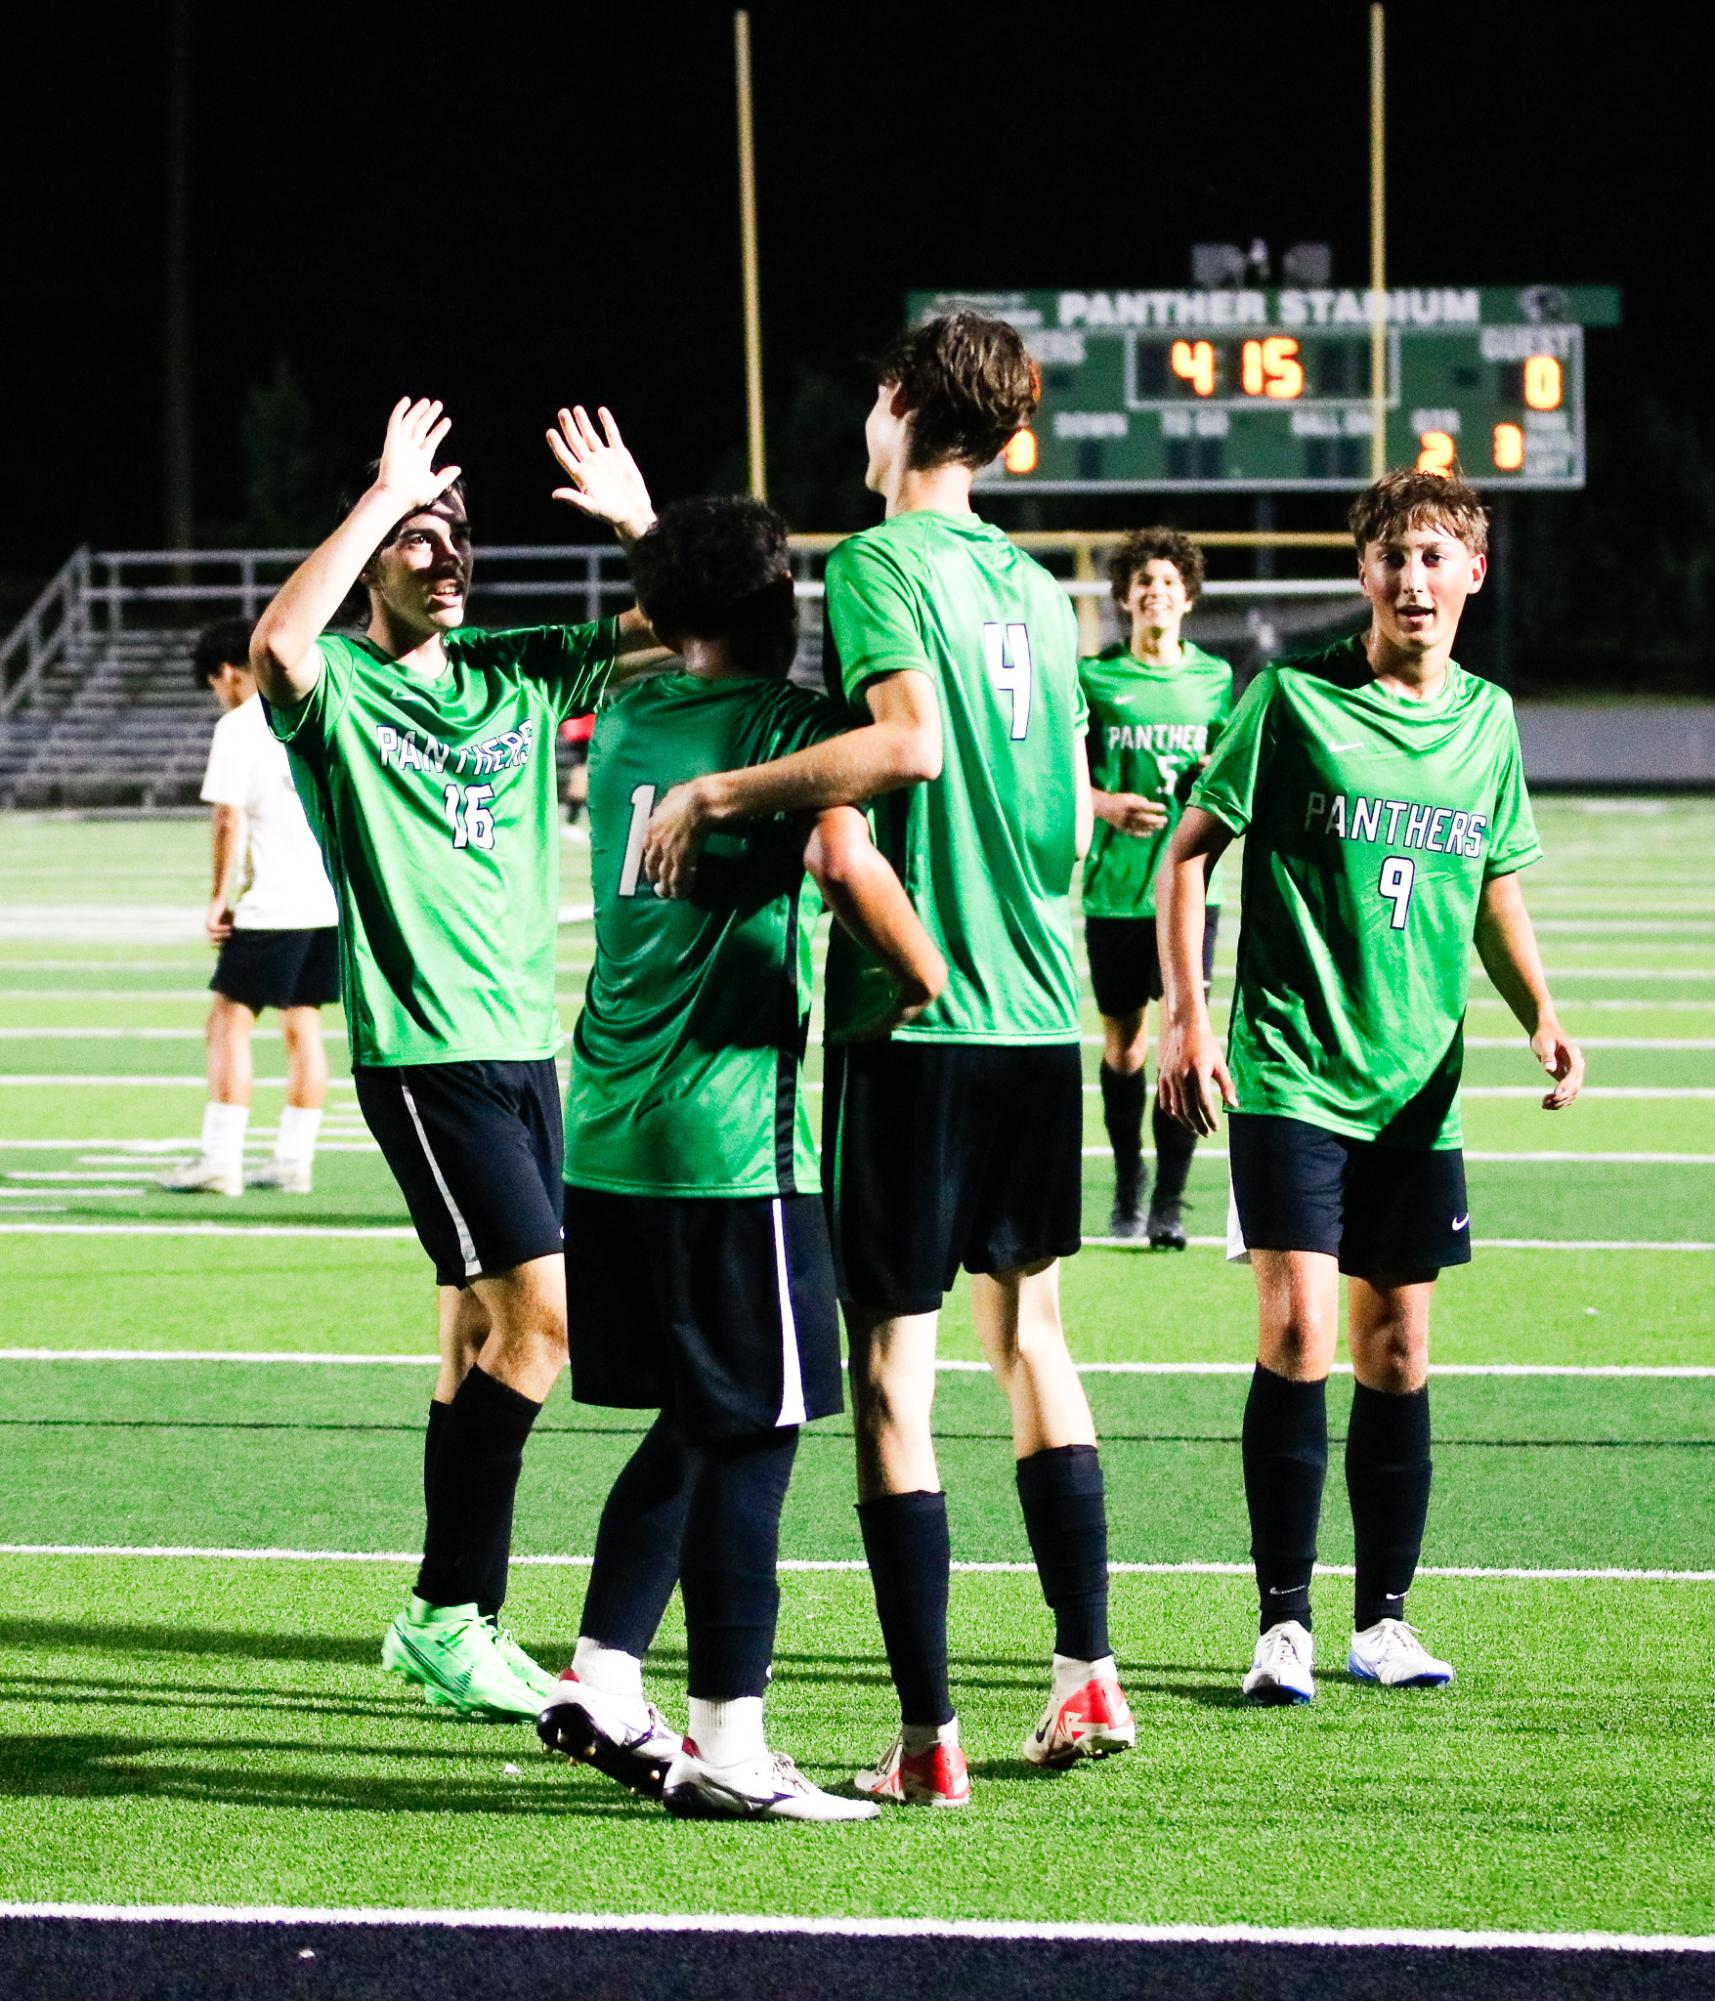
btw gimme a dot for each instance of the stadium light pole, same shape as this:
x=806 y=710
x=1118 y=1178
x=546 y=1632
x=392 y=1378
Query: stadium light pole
x=747 y=240
x=1378 y=240
x=179 y=507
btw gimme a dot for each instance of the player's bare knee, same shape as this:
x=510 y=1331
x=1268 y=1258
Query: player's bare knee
x=1298 y=1347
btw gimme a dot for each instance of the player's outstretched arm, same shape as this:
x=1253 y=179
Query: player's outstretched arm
x=863 y=892
x=283 y=653
x=1506 y=943
x=602 y=478
x=1192 y=1079
x=604 y=482
x=901 y=746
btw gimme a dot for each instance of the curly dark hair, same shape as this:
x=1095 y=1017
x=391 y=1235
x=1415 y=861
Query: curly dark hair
x=1150 y=545
x=969 y=383
x=718 y=568
x=1410 y=499
x=224 y=645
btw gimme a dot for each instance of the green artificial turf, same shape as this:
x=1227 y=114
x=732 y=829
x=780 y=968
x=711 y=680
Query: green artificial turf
x=211 y=1730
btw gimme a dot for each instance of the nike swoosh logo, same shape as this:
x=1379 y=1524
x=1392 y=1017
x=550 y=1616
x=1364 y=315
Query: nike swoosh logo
x=1042 y=1736
x=1353 y=745
x=1460 y=1222
x=1280 y=1591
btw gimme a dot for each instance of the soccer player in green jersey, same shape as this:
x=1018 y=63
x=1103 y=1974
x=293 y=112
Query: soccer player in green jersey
x=958 y=1139
x=700 y=1280
x=424 y=755
x=1382 y=793
x=1156 y=707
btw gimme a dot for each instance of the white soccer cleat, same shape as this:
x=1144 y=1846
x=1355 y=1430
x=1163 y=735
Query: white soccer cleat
x=1390 y=1653
x=1281 y=1668
x=766 y=1787
x=1092 y=1720
x=288 y=1177
x=202 y=1177
x=937 y=1776
x=628 y=1741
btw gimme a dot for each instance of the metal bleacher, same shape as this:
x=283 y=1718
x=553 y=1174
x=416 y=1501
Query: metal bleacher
x=99 y=709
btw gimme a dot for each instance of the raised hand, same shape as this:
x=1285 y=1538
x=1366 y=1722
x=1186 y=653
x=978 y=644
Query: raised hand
x=415 y=432
x=602 y=477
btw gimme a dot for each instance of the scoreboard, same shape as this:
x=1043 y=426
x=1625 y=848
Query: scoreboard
x=1200 y=390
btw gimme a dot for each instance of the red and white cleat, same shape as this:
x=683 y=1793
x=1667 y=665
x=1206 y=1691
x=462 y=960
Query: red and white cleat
x=936 y=1776
x=1085 y=1718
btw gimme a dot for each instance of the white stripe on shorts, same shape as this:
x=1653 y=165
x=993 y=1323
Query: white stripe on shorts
x=791 y=1375
x=467 y=1249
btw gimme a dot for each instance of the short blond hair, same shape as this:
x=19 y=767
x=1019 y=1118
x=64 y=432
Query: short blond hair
x=1411 y=499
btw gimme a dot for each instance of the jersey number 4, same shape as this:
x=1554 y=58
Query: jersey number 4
x=1006 y=655
x=467 y=811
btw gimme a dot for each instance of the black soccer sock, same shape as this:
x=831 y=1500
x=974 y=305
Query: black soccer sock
x=731 y=1548
x=910 y=1557
x=1174 y=1146
x=638 y=1544
x=1387 y=1480
x=474 y=1478
x=1066 y=1518
x=1286 y=1461
x=432 y=1446
x=1122 y=1114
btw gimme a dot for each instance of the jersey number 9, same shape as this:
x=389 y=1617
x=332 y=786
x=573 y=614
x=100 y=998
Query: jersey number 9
x=1006 y=655
x=1399 y=874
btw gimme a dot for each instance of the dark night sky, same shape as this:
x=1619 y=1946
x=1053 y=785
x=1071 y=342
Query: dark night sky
x=451 y=202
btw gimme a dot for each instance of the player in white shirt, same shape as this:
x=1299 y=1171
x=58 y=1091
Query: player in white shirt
x=273 y=915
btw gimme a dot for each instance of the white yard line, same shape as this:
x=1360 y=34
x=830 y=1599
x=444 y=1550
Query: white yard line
x=769 y=1924
x=817 y=1566
x=389 y=1232
x=46 y=1080
x=1535 y=1155
x=295 y=1358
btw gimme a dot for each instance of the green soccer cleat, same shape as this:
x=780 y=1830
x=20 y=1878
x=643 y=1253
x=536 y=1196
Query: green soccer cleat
x=455 y=1657
x=546 y=1687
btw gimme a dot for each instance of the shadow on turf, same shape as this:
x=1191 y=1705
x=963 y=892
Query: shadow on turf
x=109 y=1766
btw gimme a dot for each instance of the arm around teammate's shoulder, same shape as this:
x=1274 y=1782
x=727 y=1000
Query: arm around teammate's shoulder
x=900 y=746
x=863 y=892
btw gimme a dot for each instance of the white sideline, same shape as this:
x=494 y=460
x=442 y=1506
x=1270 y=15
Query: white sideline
x=765 y=1924
x=124 y=1033
x=213 y=1552
x=403 y=1234
x=947 y=1365
x=195 y=1081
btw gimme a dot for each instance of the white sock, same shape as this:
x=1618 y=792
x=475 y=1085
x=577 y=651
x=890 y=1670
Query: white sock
x=1070 y=1675
x=608 y=1670
x=921 y=1737
x=726 y=1733
x=223 y=1136
x=295 y=1143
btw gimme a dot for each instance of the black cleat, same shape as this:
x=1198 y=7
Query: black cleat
x=627 y=1741
x=1125 y=1219
x=1166 y=1230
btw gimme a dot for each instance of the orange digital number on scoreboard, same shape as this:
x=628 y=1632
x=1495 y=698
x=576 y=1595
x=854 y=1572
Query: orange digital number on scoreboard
x=1543 y=383
x=1509 y=448
x=1271 y=368
x=1194 y=362
x=1436 y=453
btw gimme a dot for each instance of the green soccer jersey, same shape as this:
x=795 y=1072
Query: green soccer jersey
x=436 y=808
x=1150 y=727
x=986 y=850
x=687 y=1059
x=1374 y=822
